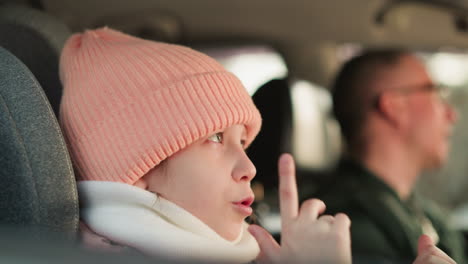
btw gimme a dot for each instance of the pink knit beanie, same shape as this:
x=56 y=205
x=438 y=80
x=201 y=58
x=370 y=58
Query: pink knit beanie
x=130 y=103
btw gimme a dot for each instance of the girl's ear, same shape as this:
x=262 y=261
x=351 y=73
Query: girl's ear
x=142 y=183
x=153 y=178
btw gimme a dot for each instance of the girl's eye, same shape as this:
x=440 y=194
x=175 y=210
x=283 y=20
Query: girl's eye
x=218 y=137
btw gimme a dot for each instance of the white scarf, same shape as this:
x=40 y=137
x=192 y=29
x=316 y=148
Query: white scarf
x=154 y=226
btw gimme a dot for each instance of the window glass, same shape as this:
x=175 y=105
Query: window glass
x=316 y=136
x=253 y=65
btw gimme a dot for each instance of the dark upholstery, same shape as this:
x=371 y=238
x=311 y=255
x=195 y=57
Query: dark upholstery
x=37 y=40
x=37 y=185
x=273 y=100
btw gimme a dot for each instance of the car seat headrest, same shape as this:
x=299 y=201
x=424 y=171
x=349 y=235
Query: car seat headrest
x=273 y=100
x=37 y=40
x=37 y=184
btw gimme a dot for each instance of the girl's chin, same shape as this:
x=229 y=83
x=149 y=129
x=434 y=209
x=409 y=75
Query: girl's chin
x=231 y=232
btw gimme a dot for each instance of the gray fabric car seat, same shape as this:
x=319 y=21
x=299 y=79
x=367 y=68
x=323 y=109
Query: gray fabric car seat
x=37 y=40
x=37 y=184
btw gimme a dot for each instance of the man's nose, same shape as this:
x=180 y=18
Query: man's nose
x=452 y=114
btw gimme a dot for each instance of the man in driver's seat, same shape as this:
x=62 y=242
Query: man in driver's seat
x=396 y=124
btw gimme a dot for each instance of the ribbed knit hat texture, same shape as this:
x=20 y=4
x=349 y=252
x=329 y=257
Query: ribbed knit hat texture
x=130 y=103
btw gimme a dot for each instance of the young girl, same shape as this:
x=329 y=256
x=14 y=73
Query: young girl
x=157 y=134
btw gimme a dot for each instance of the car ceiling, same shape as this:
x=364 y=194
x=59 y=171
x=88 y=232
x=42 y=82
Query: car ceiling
x=305 y=31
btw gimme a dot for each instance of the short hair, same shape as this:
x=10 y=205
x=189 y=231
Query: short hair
x=353 y=90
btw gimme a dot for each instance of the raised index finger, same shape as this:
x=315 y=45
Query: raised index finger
x=289 y=204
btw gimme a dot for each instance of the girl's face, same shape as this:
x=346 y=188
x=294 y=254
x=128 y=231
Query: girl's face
x=210 y=179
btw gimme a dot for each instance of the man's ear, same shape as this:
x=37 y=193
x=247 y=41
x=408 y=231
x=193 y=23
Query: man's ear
x=393 y=108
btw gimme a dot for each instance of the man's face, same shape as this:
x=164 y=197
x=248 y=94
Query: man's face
x=430 y=119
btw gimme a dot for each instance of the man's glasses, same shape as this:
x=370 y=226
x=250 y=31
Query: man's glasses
x=443 y=92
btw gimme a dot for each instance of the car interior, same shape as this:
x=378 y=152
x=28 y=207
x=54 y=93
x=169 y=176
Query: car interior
x=285 y=52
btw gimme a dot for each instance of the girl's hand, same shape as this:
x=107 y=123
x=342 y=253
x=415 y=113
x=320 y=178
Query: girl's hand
x=306 y=237
x=428 y=253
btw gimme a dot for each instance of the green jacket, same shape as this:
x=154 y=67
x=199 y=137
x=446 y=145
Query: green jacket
x=381 y=223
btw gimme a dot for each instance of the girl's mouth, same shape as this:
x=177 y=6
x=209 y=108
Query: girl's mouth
x=243 y=206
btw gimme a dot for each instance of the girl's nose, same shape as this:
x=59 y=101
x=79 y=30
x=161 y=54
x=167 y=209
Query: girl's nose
x=245 y=170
